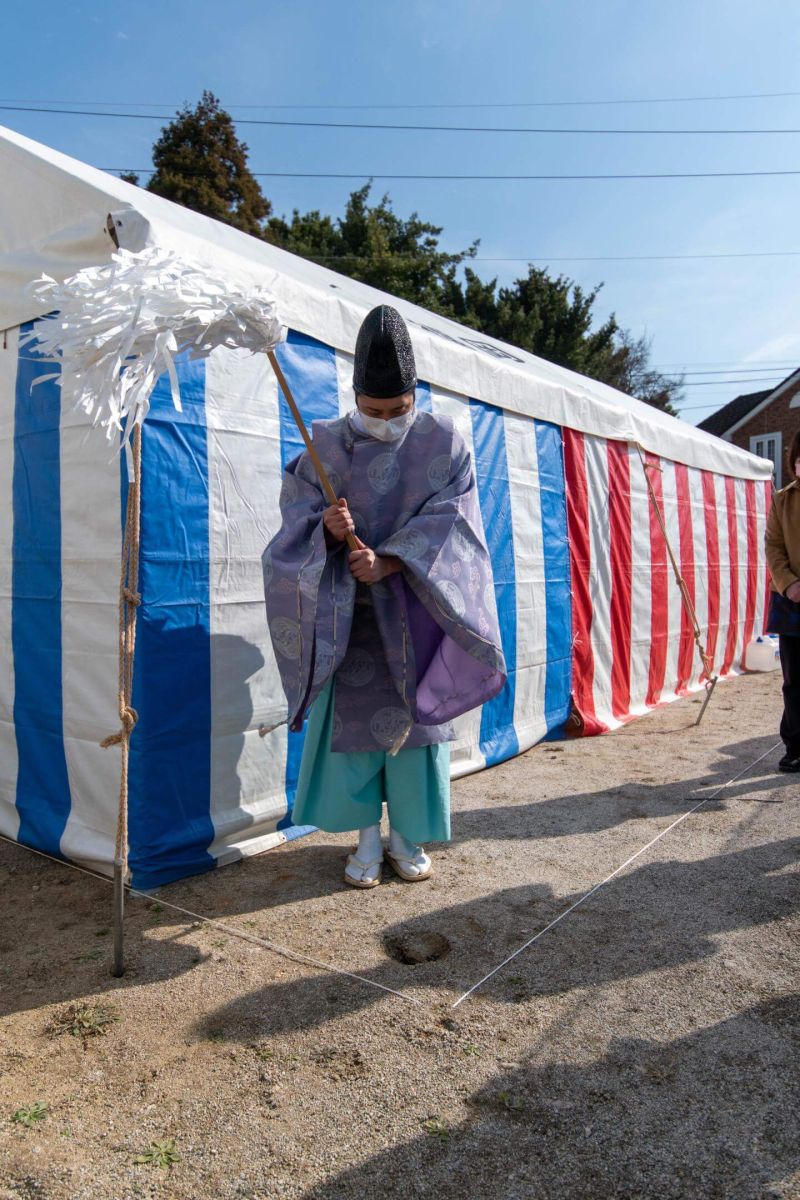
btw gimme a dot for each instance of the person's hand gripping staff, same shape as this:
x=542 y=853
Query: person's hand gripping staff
x=337 y=521
x=365 y=564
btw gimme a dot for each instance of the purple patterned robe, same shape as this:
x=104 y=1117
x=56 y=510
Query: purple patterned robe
x=423 y=646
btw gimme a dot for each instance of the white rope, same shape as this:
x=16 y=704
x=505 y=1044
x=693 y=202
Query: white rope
x=593 y=891
x=295 y=955
x=325 y=966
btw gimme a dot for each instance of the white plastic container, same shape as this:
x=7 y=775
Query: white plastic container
x=762 y=654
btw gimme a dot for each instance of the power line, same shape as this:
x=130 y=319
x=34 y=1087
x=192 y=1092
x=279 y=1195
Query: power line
x=387 y=107
x=766 y=366
x=698 y=407
x=503 y=258
x=526 y=258
x=780 y=372
x=728 y=370
x=412 y=258
x=725 y=382
x=378 y=175
x=639 y=257
x=84 y=112
x=695 y=407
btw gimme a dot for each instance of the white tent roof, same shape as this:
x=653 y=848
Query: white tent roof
x=53 y=214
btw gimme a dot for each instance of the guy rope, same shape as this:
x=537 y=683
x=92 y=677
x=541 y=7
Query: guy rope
x=129 y=601
x=688 y=603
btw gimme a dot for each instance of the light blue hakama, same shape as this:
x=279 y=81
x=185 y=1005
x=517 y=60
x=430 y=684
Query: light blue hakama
x=340 y=791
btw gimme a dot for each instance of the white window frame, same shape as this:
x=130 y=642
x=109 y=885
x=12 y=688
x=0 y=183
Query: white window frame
x=761 y=439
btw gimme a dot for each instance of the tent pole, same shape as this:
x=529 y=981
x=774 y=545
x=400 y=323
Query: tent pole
x=118 y=969
x=129 y=601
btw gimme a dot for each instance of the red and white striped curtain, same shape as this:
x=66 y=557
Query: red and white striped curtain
x=633 y=642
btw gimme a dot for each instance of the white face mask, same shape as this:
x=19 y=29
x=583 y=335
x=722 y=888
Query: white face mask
x=385 y=431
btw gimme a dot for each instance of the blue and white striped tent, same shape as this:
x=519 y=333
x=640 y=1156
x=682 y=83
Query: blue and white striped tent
x=204 y=786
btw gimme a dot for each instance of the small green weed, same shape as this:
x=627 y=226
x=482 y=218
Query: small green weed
x=31 y=1114
x=437 y=1128
x=84 y=1020
x=161 y=1153
x=660 y=1070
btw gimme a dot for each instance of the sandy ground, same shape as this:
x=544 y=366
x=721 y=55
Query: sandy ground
x=647 y=1046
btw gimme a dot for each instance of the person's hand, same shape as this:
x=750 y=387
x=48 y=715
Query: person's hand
x=369 y=567
x=337 y=520
x=793 y=592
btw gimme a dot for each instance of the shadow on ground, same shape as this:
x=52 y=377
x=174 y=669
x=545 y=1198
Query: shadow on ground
x=592 y=812
x=710 y=1115
x=625 y=930
x=659 y=916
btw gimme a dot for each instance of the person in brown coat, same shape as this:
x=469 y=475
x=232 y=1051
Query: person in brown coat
x=783 y=560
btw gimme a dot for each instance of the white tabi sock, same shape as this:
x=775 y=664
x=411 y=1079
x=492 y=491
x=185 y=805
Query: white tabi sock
x=401 y=845
x=370 y=846
x=411 y=860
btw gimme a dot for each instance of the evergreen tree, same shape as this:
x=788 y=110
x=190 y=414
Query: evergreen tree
x=553 y=318
x=634 y=375
x=201 y=164
x=373 y=244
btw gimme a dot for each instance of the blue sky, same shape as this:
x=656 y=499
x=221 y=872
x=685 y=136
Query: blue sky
x=740 y=315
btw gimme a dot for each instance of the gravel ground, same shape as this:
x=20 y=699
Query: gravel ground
x=647 y=1046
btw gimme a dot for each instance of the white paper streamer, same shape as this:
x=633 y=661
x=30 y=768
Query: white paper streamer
x=115 y=329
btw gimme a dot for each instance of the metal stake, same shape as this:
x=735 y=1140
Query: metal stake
x=709 y=693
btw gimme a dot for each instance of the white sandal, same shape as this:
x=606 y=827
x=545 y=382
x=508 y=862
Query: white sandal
x=369 y=872
x=401 y=863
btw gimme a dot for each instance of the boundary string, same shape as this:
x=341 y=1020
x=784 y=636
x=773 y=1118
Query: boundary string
x=307 y=960
x=593 y=891
x=275 y=947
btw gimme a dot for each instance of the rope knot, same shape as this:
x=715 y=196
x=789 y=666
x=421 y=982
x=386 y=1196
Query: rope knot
x=132 y=597
x=129 y=717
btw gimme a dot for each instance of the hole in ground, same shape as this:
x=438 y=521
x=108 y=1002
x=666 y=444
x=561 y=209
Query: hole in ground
x=418 y=947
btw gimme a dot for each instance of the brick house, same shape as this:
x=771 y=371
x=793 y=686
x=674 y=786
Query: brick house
x=762 y=422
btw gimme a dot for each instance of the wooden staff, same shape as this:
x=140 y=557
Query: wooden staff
x=327 y=487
